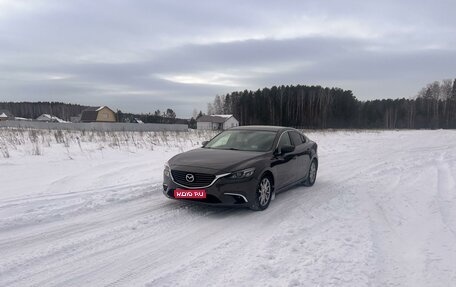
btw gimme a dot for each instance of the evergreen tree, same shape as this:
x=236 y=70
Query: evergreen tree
x=453 y=91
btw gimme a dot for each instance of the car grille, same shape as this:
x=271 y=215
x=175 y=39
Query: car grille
x=200 y=179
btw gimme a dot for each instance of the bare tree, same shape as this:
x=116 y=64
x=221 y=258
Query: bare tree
x=210 y=109
x=446 y=89
x=431 y=91
x=435 y=90
x=422 y=93
x=218 y=105
x=453 y=91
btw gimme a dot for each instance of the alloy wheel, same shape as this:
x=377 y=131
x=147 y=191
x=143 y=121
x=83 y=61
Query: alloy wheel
x=264 y=191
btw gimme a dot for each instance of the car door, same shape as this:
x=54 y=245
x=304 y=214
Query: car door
x=302 y=153
x=285 y=164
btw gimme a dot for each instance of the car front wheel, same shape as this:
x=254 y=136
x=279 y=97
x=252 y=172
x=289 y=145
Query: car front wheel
x=263 y=194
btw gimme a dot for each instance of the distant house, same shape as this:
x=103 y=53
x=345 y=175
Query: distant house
x=6 y=115
x=3 y=117
x=98 y=114
x=216 y=122
x=50 y=119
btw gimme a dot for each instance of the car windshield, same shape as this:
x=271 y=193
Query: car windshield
x=245 y=140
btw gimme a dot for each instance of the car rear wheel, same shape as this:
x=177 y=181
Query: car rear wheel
x=312 y=175
x=263 y=194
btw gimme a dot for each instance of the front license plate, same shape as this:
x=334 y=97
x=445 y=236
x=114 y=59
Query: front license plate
x=189 y=193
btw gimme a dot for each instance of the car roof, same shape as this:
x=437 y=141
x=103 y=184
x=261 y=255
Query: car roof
x=262 y=128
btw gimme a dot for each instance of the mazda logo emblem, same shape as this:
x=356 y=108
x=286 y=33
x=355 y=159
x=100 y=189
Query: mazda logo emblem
x=190 y=177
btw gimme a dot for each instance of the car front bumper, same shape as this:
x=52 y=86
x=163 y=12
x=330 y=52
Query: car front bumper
x=224 y=191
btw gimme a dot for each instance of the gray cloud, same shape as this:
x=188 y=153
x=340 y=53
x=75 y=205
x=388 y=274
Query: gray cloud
x=145 y=55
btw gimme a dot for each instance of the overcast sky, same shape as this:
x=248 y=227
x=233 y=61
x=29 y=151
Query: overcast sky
x=140 y=56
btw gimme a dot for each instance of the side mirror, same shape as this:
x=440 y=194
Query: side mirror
x=286 y=149
x=204 y=143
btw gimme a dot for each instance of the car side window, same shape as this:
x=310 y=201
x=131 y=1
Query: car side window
x=296 y=137
x=284 y=140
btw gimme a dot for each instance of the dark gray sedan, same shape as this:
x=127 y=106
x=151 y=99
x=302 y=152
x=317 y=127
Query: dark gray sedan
x=243 y=166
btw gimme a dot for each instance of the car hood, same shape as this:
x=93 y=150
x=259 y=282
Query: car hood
x=212 y=159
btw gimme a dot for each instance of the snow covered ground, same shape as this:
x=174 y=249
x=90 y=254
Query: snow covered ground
x=88 y=211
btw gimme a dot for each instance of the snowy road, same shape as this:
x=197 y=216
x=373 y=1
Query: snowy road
x=382 y=213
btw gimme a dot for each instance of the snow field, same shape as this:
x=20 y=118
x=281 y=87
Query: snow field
x=87 y=210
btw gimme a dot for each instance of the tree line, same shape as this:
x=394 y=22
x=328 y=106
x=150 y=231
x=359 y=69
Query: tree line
x=64 y=111
x=32 y=110
x=317 y=107
x=166 y=117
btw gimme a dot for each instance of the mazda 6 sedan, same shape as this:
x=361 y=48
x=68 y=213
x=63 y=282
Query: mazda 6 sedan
x=242 y=166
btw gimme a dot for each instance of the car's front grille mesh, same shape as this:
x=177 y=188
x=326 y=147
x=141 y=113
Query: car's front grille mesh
x=199 y=179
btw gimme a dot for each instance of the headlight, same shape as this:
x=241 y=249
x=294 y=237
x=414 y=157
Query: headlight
x=166 y=172
x=242 y=173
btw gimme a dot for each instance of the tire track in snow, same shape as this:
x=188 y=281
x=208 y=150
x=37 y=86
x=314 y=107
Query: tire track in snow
x=403 y=208
x=287 y=199
x=24 y=213
x=298 y=202
x=446 y=194
x=309 y=236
